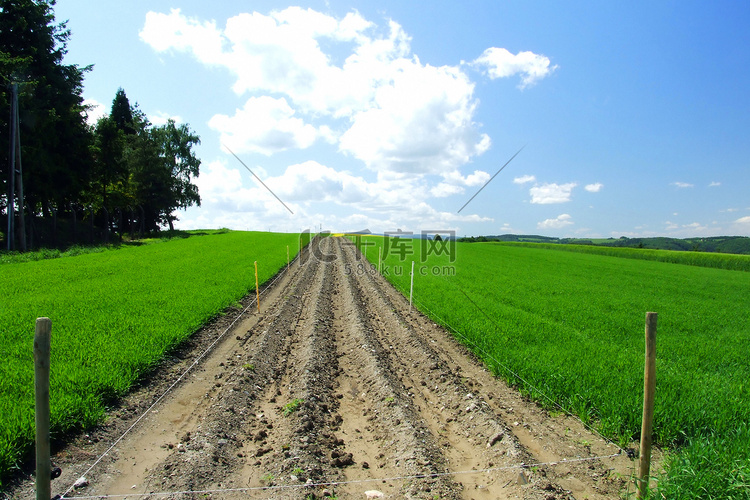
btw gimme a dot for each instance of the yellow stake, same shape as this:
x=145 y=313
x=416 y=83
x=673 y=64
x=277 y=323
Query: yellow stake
x=257 y=292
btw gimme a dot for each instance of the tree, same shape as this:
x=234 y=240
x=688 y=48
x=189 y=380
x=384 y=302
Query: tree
x=121 y=113
x=54 y=138
x=142 y=167
x=177 y=150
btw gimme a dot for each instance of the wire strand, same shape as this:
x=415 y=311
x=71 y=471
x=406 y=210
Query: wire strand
x=177 y=381
x=430 y=475
x=508 y=369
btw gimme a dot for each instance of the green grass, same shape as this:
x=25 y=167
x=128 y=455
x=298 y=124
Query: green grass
x=114 y=314
x=570 y=324
x=732 y=262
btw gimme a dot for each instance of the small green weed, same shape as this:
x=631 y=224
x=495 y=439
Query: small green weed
x=292 y=406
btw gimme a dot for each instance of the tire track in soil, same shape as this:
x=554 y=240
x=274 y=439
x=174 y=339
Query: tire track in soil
x=338 y=382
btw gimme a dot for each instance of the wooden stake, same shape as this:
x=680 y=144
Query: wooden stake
x=257 y=290
x=41 y=416
x=649 y=387
x=411 y=289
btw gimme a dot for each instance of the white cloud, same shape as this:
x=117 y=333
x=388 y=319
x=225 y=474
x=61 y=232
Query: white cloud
x=175 y=31
x=94 y=111
x=454 y=183
x=500 y=63
x=743 y=224
x=714 y=184
x=524 y=179
x=405 y=116
x=692 y=229
x=552 y=193
x=594 y=188
x=303 y=76
x=561 y=221
x=264 y=125
x=444 y=189
x=313 y=191
x=420 y=122
x=161 y=118
x=682 y=185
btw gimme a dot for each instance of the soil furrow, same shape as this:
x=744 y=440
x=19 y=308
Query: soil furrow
x=389 y=422
x=466 y=387
x=336 y=388
x=293 y=418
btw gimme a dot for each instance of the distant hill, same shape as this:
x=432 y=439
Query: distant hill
x=718 y=244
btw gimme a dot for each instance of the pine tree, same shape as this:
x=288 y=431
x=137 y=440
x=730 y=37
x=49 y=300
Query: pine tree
x=55 y=140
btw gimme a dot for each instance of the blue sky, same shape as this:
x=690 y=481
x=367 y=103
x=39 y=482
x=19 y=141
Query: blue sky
x=391 y=114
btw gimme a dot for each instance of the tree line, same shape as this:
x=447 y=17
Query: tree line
x=65 y=181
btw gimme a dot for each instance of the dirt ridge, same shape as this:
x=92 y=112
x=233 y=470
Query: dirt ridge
x=335 y=388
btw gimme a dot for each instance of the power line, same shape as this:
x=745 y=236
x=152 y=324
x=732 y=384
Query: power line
x=485 y=184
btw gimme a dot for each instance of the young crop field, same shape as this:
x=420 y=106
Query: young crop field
x=114 y=314
x=569 y=326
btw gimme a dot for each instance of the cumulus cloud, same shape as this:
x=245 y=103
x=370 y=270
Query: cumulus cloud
x=714 y=184
x=682 y=185
x=403 y=116
x=594 y=188
x=311 y=189
x=420 y=122
x=524 y=179
x=174 y=31
x=552 y=193
x=303 y=76
x=94 y=110
x=500 y=63
x=454 y=183
x=264 y=125
x=561 y=221
x=161 y=118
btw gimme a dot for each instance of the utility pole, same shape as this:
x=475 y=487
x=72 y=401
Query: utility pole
x=12 y=167
x=19 y=174
x=16 y=175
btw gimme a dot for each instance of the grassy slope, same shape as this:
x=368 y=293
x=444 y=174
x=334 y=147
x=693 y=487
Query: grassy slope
x=113 y=316
x=571 y=324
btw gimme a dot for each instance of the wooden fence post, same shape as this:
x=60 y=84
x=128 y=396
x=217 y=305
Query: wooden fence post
x=41 y=416
x=649 y=387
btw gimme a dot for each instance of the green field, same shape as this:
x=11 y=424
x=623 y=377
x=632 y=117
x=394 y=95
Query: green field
x=114 y=314
x=570 y=326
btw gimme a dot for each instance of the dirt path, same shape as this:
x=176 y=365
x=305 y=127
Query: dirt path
x=336 y=388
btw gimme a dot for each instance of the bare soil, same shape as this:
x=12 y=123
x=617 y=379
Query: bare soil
x=335 y=388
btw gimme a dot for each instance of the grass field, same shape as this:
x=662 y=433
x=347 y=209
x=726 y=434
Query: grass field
x=114 y=314
x=571 y=326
